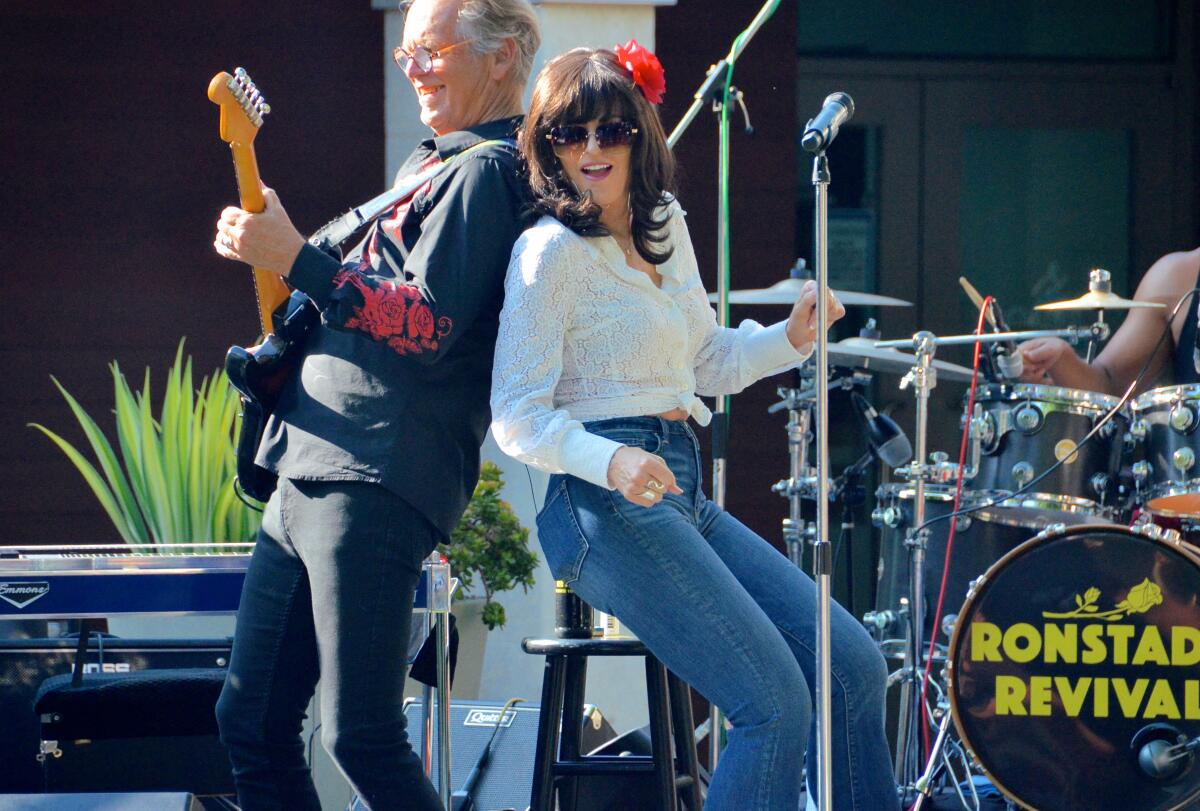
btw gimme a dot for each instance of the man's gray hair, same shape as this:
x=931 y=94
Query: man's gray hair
x=490 y=22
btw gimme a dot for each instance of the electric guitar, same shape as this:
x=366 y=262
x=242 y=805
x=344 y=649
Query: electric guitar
x=258 y=372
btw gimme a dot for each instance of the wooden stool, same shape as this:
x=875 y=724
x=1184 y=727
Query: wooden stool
x=676 y=774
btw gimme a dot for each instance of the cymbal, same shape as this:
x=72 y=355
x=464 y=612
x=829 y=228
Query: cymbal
x=862 y=353
x=1093 y=300
x=788 y=290
x=1100 y=297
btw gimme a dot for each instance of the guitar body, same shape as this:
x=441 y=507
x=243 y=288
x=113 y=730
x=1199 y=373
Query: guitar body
x=258 y=372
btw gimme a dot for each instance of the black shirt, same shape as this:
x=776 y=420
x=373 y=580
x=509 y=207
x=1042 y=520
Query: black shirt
x=394 y=385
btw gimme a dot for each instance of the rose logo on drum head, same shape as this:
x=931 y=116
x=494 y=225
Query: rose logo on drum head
x=1066 y=650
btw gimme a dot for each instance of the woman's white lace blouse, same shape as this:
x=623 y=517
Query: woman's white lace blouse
x=583 y=336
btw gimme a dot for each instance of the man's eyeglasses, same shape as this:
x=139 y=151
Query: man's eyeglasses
x=421 y=56
x=575 y=136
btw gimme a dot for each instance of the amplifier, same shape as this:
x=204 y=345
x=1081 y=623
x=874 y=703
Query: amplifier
x=508 y=779
x=25 y=664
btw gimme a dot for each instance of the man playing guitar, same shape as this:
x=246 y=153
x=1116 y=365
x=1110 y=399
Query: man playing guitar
x=375 y=438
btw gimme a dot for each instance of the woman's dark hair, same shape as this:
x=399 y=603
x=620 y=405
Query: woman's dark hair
x=583 y=85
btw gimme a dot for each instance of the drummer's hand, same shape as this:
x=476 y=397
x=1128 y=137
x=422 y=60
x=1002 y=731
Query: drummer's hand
x=265 y=240
x=1040 y=356
x=802 y=323
x=641 y=477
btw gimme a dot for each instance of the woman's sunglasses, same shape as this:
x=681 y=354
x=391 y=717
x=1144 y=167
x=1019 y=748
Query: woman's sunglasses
x=608 y=136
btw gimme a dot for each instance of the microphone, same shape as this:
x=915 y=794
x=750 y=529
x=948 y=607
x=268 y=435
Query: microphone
x=1008 y=357
x=883 y=434
x=820 y=131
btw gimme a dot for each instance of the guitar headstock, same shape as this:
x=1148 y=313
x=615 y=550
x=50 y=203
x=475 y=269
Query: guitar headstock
x=242 y=105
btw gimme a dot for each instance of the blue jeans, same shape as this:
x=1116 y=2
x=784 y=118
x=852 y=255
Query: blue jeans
x=328 y=593
x=730 y=615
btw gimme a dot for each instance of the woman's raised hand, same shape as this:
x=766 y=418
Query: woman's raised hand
x=802 y=323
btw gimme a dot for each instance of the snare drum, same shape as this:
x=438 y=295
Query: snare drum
x=981 y=538
x=1071 y=655
x=1165 y=423
x=1027 y=428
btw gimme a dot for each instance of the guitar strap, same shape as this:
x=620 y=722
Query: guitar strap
x=338 y=230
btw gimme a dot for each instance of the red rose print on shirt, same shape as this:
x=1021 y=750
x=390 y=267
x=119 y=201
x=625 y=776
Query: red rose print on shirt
x=386 y=311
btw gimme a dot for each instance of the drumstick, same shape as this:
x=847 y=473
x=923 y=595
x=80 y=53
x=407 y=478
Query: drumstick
x=977 y=300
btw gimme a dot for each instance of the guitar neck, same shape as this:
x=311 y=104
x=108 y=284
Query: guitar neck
x=269 y=287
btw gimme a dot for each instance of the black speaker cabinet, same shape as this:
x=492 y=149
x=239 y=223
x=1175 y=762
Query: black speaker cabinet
x=25 y=664
x=507 y=781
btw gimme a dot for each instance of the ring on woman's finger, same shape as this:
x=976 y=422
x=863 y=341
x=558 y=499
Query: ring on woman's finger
x=227 y=241
x=647 y=494
x=654 y=484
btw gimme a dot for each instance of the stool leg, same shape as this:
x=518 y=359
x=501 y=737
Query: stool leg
x=660 y=734
x=687 y=764
x=542 y=794
x=576 y=679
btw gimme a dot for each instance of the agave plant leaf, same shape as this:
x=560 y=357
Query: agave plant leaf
x=118 y=484
x=176 y=484
x=94 y=480
x=157 y=491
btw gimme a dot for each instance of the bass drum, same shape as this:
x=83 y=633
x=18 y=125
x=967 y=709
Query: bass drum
x=1073 y=654
x=981 y=539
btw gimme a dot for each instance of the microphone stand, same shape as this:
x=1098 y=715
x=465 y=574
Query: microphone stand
x=718 y=91
x=822 y=554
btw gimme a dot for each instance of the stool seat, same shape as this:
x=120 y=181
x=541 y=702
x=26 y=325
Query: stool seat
x=558 y=763
x=585 y=647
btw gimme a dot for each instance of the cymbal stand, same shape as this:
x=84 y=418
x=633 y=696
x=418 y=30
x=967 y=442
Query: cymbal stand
x=801 y=480
x=801 y=483
x=923 y=378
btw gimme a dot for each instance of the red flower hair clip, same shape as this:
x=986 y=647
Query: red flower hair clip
x=644 y=68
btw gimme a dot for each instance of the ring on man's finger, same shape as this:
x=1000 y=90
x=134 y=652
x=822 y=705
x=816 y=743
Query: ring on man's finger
x=654 y=484
x=227 y=241
x=647 y=494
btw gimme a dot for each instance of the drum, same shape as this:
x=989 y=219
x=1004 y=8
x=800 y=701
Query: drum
x=1027 y=428
x=1074 y=654
x=1165 y=423
x=980 y=540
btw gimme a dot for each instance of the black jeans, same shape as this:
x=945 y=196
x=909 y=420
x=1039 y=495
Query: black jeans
x=328 y=593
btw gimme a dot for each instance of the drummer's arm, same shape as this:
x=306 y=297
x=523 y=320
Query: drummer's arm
x=1123 y=357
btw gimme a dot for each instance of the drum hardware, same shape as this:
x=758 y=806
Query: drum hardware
x=922 y=377
x=1070 y=650
x=786 y=292
x=801 y=483
x=940 y=759
x=1164 y=429
x=1163 y=752
x=1099 y=297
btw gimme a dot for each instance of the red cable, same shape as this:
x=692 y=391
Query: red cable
x=962 y=457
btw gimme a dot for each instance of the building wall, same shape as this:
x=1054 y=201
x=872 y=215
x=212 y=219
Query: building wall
x=114 y=178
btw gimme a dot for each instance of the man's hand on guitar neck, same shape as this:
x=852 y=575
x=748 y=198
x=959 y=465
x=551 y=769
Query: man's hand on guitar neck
x=266 y=240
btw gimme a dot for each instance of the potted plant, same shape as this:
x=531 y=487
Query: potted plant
x=170 y=478
x=489 y=549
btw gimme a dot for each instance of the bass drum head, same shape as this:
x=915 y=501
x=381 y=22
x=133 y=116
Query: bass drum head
x=1069 y=647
